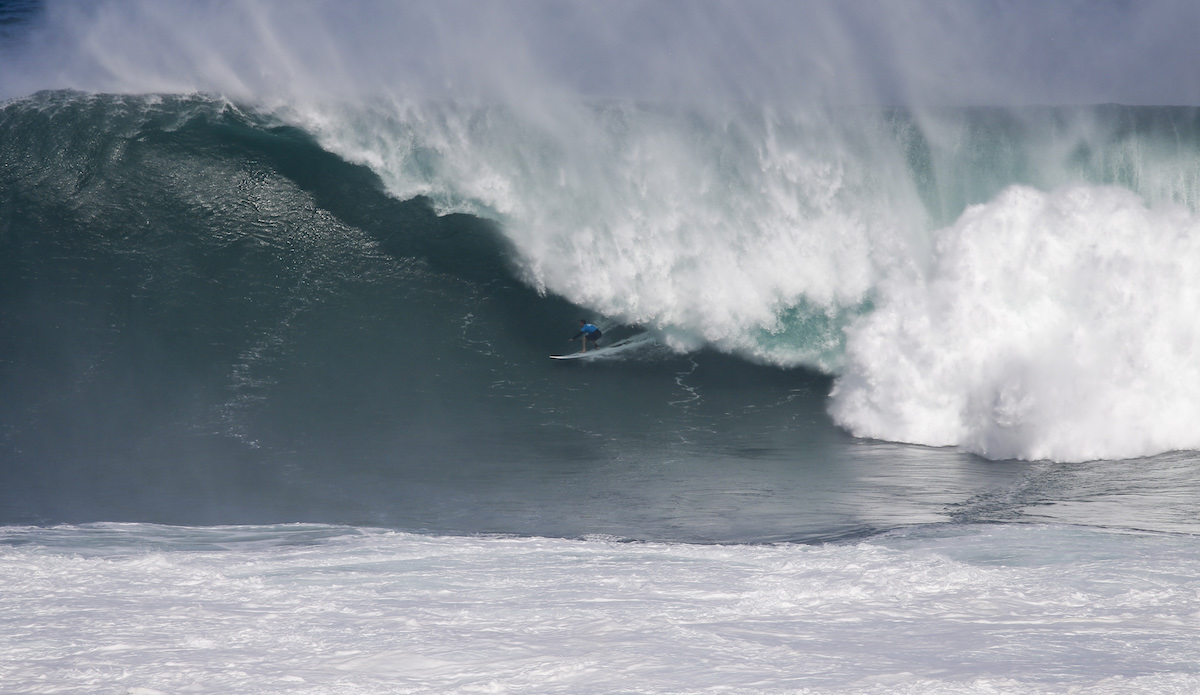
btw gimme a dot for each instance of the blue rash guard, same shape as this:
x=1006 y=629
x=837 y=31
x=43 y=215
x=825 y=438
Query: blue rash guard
x=589 y=331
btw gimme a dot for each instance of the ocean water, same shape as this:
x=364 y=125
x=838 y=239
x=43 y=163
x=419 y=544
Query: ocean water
x=909 y=405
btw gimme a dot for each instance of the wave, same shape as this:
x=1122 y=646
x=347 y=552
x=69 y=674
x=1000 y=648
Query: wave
x=1016 y=283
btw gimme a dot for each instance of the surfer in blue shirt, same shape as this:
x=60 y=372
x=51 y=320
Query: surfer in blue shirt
x=589 y=332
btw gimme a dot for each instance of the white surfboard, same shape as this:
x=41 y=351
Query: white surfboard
x=575 y=355
x=608 y=350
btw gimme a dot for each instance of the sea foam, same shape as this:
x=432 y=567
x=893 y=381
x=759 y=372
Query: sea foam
x=974 y=609
x=1057 y=325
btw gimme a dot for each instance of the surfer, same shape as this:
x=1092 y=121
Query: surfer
x=589 y=332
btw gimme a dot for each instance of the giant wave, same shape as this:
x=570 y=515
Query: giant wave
x=765 y=216
x=270 y=262
x=1015 y=284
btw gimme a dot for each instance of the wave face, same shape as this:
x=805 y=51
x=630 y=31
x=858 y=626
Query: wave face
x=1017 y=284
x=197 y=304
x=211 y=319
x=719 y=193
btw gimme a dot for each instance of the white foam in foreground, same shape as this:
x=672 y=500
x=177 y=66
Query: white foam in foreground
x=975 y=609
x=1058 y=326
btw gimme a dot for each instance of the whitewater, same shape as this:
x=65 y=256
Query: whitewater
x=299 y=609
x=904 y=398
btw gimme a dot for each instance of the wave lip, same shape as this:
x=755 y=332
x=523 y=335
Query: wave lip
x=751 y=231
x=1055 y=326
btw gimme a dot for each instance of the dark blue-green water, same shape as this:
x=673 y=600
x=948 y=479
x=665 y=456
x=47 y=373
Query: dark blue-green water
x=208 y=318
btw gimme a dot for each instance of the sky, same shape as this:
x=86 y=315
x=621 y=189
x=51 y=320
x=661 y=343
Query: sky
x=957 y=52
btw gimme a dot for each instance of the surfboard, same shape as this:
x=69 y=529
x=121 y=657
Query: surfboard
x=619 y=346
x=575 y=355
x=590 y=353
